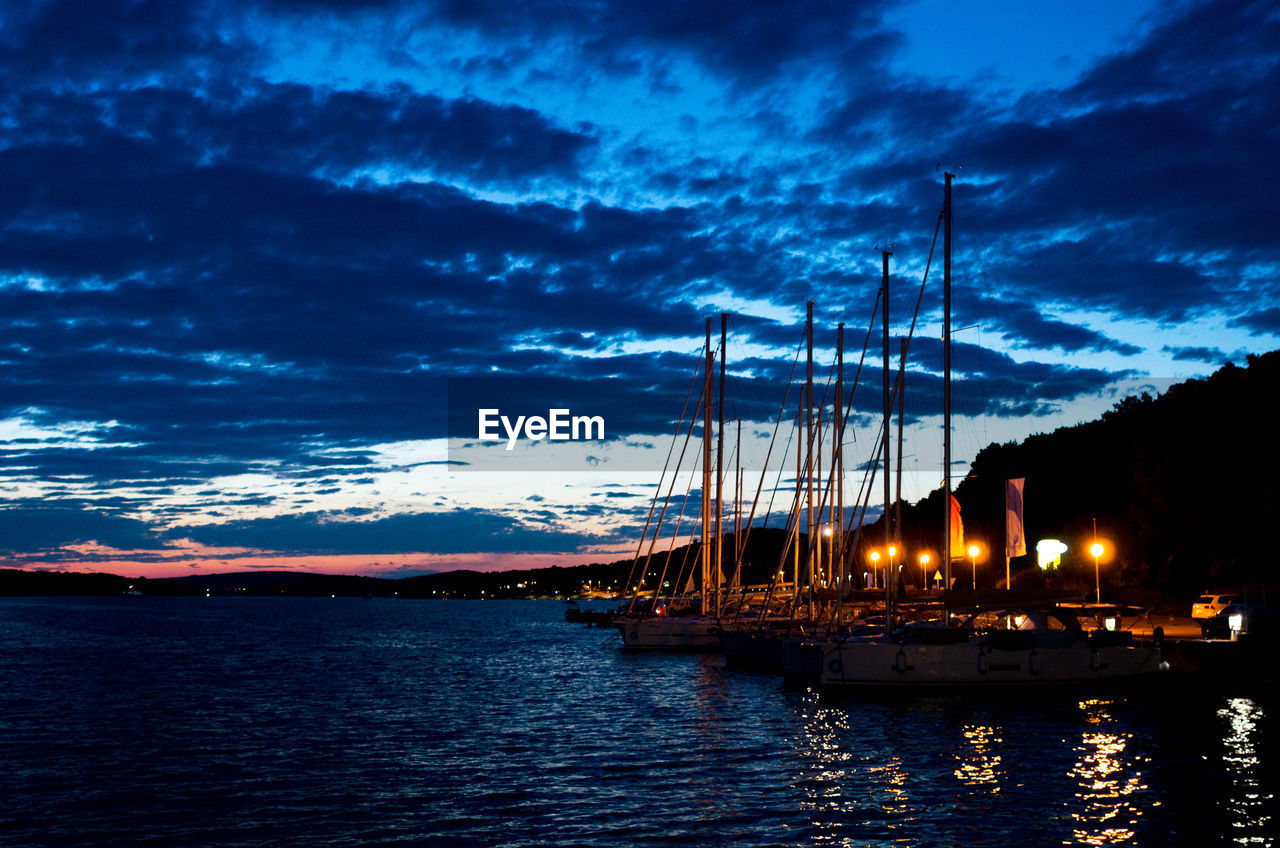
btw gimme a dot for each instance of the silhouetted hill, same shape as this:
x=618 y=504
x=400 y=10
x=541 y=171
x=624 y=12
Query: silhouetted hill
x=272 y=583
x=14 y=581
x=759 y=559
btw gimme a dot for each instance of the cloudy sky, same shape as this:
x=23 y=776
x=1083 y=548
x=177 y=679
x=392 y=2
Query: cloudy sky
x=250 y=250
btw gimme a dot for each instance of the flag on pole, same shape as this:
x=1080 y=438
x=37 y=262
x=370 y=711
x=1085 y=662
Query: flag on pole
x=1015 y=543
x=957 y=530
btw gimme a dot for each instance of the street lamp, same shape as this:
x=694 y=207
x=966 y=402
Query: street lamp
x=875 y=563
x=1096 y=550
x=973 y=560
x=924 y=566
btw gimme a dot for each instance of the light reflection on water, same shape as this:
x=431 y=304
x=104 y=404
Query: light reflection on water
x=1109 y=778
x=979 y=760
x=1249 y=804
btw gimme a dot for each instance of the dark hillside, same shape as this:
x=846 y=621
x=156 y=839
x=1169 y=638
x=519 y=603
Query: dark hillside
x=1184 y=484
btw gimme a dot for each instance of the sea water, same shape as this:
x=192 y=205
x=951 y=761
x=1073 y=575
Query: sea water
x=233 y=721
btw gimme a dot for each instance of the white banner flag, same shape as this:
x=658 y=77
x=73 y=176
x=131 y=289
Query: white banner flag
x=1015 y=543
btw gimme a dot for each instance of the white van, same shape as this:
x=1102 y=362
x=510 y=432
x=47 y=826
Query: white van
x=1207 y=606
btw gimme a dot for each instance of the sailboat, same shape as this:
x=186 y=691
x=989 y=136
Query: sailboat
x=1037 y=646
x=655 y=626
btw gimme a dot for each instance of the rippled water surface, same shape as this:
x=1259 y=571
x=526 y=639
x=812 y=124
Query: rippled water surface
x=291 y=721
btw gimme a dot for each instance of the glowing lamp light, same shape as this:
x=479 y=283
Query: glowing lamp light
x=1235 y=622
x=875 y=557
x=1049 y=553
x=1096 y=549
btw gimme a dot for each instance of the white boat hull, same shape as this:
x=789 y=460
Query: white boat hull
x=883 y=663
x=694 y=633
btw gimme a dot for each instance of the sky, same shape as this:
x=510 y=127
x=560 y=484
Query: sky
x=262 y=262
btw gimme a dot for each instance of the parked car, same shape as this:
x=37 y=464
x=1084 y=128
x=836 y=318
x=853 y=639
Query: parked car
x=1207 y=606
x=1246 y=620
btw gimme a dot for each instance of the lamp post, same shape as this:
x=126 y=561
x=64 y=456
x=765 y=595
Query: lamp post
x=973 y=561
x=1096 y=550
x=889 y=568
x=924 y=574
x=875 y=563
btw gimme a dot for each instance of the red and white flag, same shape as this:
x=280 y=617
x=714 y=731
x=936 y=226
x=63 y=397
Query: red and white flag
x=957 y=530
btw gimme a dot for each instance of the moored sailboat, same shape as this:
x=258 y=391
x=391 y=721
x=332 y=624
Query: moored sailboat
x=997 y=647
x=653 y=625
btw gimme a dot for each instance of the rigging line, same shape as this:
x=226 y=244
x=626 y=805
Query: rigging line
x=657 y=492
x=667 y=501
x=860 y=509
x=666 y=562
x=857 y=376
x=768 y=454
x=813 y=543
x=862 y=358
x=868 y=478
x=791 y=541
x=920 y=297
x=793 y=528
x=683 y=505
x=786 y=524
x=684 y=577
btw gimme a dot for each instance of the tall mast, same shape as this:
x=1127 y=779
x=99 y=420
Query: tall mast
x=795 y=565
x=888 y=505
x=737 y=502
x=719 y=564
x=902 y=394
x=808 y=458
x=837 y=540
x=946 y=384
x=830 y=564
x=706 y=478
x=819 y=565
